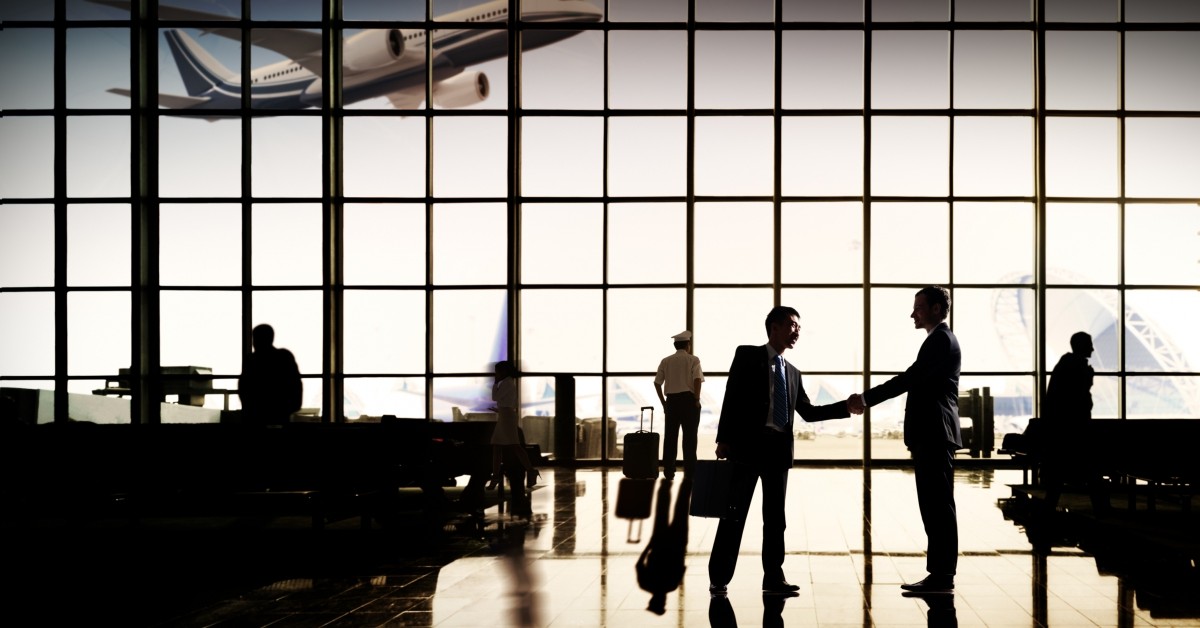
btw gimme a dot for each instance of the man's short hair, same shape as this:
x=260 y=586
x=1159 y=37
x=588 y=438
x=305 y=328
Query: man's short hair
x=780 y=313
x=936 y=295
x=1080 y=340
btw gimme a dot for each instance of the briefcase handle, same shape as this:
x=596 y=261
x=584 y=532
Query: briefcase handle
x=642 y=416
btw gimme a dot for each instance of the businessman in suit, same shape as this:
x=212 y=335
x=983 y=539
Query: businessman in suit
x=931 y=433
x=762 y=396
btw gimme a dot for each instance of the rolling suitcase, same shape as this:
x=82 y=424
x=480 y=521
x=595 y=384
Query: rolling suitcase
x=641 y=450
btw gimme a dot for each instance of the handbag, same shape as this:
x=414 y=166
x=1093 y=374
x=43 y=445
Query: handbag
x=711 y=489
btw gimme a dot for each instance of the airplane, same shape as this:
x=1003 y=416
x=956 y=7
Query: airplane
x=386 y=62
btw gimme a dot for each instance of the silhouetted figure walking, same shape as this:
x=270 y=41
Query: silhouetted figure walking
x=269 y=388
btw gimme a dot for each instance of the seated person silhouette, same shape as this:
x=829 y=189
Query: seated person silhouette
x=269 y=387
x=1066 y=410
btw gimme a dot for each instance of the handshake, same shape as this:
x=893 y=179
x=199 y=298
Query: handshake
x=855 y=404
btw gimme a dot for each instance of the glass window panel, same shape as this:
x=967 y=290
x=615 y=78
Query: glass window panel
x=822 y=70
x=1162 y=157
x=384 y=331
x=647 y=243
x=370 y=398
x=910 y=156
x=1088 y=310
x=470 y=244
x=735 y=69
x=285 y=156
x=743 y=11
x=1162 y=11
x=384 y=11
x=1162 y=397
x=27 y=59
x=993 y=156
x=642 y=11
x=832 y=440
x=296 y=316
x=894 y=339
x=562 y=243
x=98 y=333
x=370 y=57
x=1106 y=397
x=911 y=11
x=224 y=60
x=910 y=243
x=1082 y=70
x=27 y=334
x=640 y=325
x=596 y=438
x=97 y=61
x=993 y=337
x=993 y=242
x=23 y=11
x=822 y=242
x=470 y=156
x=822 y=11
x=1161 y=72
x=1012 y=401
x=724 y=318
x=384 y=156
x=647 y=69
x=647 y=156
x=562 y=330
x=822 y=156
x=202 y=329
x=465 y=90
x=453 y=10
x=1081 y=11
x=385 y=244
x=199 y=157
x=993 y=69
x=98 y=156
x=1162 y=245
x=1161 y=333
x=734 y=156
x=733 y=242
x=98 y=245
x=831 y=329
x=1081 y=156
x=470 y=331
x=562 y=156
x=285 y=9
x=285 y=244
x=26 y=156
x=538 y=393
x=1081 y=243
x=566 y=75
x=993 y=11
x=26 y=245
x=200 y=245
x=910 y=69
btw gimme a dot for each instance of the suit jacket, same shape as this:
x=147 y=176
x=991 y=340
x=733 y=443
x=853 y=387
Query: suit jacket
x=931 y=412
x=748 y=399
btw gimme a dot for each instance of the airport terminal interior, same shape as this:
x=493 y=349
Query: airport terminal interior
x=413 y=192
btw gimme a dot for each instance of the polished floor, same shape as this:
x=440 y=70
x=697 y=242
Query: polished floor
x=573 y=564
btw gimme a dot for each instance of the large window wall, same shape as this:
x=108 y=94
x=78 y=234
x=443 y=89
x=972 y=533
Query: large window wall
x=591 y=178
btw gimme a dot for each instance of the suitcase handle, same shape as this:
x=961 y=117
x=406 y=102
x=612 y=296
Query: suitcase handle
x=642 y=415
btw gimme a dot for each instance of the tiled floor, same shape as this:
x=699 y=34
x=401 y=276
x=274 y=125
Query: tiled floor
x=573 y=565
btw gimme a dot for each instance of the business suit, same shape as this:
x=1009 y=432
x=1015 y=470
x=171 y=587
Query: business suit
x=759 y=452
x=932 y=434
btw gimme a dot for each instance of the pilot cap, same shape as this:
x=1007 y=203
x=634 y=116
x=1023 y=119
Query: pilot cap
x=683 y=335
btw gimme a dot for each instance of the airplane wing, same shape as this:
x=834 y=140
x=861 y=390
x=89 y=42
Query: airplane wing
x=301 y=46
x=167 y=100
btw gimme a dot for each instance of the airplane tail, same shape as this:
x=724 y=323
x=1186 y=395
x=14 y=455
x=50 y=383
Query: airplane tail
x=200 y=71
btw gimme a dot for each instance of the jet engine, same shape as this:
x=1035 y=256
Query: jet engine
x=372 y=48
x=464 y=89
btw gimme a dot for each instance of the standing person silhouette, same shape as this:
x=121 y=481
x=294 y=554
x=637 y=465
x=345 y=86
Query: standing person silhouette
x=931 y=433
x=506 y=438
x=756 y=433
x=269 y=387
x=677 y=383
x=1066 y=410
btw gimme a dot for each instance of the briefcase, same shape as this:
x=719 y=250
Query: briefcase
x=712 y=484
x=634 y=500
x=640 y=458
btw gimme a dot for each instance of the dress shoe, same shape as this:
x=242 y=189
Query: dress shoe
x=779 y=587
x=718 y=590
x=931 y=584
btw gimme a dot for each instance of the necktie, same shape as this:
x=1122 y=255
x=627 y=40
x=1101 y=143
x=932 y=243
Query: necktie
x=779 y=405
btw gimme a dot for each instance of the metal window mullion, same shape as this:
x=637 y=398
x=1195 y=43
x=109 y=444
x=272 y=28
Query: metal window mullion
x=1123 y=389
x=777 y=166
x=428 y=112
x=604 y=374
x=1039 y=191
x=333 y=384
x=145 y=373
x=247 y=131
x=514 y=185
x=61 y=338
x=866 y=228
x=690 y=175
